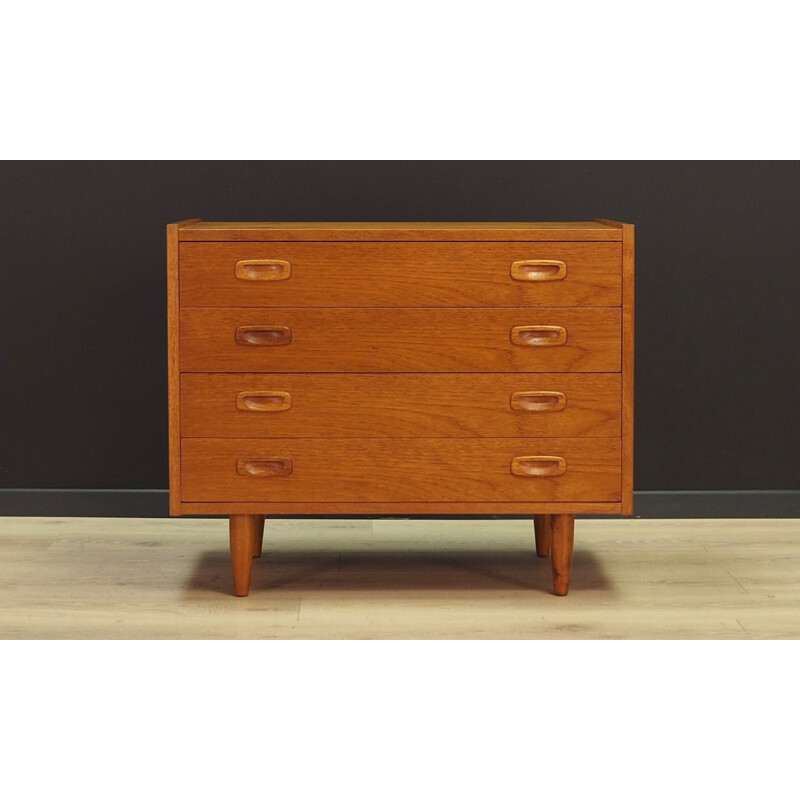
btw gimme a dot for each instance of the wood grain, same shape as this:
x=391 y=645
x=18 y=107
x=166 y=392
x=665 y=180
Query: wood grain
x=628 y=361
x=366 y=470
x=400 y=231
x=420 y=274
x=173 y=368
x=400 y=340
x=398 y=405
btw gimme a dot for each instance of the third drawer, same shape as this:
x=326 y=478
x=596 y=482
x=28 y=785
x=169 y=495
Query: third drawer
x=400 y=405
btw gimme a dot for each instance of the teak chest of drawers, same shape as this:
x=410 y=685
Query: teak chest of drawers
x=401 y=368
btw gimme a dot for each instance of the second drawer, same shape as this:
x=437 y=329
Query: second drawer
x=400 y=405
x=400 y=340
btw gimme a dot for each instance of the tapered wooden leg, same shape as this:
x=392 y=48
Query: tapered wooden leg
x=258 y=536
x=544 y=535
x=243 y=535
x=563 y=532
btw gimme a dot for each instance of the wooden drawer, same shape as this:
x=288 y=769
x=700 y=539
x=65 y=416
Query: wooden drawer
x=400 y=274
x=439 y=470
x=400 y=340
x=400 y=405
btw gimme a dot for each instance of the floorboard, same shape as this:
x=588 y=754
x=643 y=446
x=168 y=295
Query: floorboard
x=90 y=578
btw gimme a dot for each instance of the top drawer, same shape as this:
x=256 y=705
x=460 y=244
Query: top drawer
x=415 y=274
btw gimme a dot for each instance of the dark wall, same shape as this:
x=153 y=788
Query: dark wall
x=82 y=299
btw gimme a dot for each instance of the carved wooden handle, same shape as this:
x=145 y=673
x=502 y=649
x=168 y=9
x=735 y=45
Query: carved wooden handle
x=263 y=337
x=262 y=269
x=264 y=467
x=538 y=401
x=538 y=466
x=263 y=401
x=538 y=335
x=539 y=270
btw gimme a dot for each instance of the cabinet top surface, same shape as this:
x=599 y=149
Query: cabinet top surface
x=196 y=230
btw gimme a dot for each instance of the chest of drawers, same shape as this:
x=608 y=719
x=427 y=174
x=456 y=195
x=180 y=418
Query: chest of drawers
x=400 y=369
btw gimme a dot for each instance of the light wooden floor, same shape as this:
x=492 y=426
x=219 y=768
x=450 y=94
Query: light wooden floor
x=403 y=579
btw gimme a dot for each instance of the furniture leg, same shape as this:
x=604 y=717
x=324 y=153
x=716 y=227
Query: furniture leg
x=243 y=529
x=258 y=536
x=563 y=532
x=544 y=534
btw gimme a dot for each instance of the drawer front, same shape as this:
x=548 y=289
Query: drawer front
x=400 y=274
x=432 y=470
x=400 y=340
x=401 y=405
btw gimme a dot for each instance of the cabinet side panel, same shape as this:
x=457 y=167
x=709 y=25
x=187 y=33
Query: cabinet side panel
x=627 y=232
x=173 y=375
x=173 y=363
x=627 y=368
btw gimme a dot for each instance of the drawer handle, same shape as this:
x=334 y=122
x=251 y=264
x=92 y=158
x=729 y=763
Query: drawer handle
x=538 y=335
x=538 y=466
x=538 y=401
x=263 y=401
x=264 y=467
x=262 y=269
x=263 y=337
x=539 y=270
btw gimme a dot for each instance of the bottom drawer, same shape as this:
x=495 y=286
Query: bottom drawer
x=404 y=470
